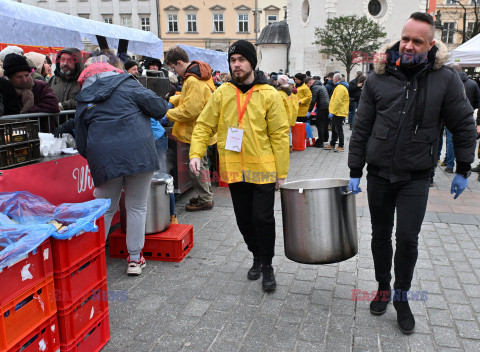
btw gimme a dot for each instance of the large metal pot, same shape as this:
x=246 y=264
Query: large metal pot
x=158 y=206
x=319 y=221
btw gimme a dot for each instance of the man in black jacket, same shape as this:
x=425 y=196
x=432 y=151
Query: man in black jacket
x=354 y=91
x=321 y=99
x=397 y=127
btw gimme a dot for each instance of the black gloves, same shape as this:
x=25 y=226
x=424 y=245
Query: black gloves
x=66 y=127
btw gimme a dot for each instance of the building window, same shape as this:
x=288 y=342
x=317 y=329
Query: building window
x=108 y=19
x=243 y=23
x=469 y=31
x=448 y=32
x=218 y=22
x=172 y=20
x=450 y=2
x=474 y=2
x=145 y=23
x=271 y=19
x=84 y=15
x=126 y=20
x=305 y=10
x=191 y=23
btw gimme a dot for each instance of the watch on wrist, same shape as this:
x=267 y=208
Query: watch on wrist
x=465 y=174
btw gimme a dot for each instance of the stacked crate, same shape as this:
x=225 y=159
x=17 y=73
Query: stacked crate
x=80 y=274
x=19 y=143
x=28 y=320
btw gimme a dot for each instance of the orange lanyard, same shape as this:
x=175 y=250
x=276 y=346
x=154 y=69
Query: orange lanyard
x=241 y=111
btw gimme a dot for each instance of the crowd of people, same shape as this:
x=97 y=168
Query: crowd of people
x=397 y=131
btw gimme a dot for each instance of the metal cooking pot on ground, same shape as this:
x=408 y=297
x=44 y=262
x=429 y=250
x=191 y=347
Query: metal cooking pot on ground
x=319 y=221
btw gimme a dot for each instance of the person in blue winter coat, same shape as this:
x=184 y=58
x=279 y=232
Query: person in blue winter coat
x=113 y=132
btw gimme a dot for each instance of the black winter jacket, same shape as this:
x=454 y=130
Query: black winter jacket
x=397 y=125
x=319 y=97
x=472 y=91
x=354 y=91
x=330 y=87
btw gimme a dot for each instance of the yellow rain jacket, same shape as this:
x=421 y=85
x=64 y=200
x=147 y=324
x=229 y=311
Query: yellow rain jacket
x=304 y=95
x=197 y=89
x=291 y=106
x=264 y=155
x=339 y=102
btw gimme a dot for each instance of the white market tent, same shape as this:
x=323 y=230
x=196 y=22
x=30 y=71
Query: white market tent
x=467 y=54
x=29 y=25
x=216 y=59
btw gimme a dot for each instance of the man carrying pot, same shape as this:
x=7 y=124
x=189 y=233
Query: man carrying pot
x=397 y=127
x=252 y=127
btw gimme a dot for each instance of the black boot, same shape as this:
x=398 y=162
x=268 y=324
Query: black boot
x=268 y=282
x=405 y=319
x=379 y=304
x=255 y=270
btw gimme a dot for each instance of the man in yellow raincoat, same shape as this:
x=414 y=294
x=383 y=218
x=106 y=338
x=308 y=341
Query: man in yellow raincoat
x=252 y=126
x=197 y=89
x=338 y=111
x=304 y=95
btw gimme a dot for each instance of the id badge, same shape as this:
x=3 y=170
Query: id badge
x=234 y=139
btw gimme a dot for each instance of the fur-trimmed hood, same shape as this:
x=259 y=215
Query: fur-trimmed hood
x=441 y=56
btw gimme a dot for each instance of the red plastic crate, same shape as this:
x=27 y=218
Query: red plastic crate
x=310 y=142
x=26 y=312
x=67 y=253
x=74 y=320
x=26 y=273
x=171 y=245
x=42 y=339
x=93 y=338
x=72 y=284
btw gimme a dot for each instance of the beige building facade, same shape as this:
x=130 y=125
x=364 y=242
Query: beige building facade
x=209 y=24
x=452 y=15
x=270 y=11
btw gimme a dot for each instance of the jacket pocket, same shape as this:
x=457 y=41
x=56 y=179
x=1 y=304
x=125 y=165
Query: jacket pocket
x=379 y=146
x=422 y=151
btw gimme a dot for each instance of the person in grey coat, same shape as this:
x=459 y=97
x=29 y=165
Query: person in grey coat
x=397 y=128
x=113 y=132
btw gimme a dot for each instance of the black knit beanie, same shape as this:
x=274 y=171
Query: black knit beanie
x=129 y=64
x=246 y=49
x=14 y=63
x=300 y=76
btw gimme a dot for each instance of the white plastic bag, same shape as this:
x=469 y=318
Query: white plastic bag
x=49 y=145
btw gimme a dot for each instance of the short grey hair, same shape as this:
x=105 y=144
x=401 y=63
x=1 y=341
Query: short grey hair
x=337 y=77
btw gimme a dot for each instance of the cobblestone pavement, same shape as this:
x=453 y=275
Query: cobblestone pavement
x=206 y=303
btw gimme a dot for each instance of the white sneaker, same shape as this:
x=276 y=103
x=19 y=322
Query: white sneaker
x=135 y=268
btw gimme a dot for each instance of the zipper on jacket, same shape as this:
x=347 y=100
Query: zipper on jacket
x=408 y=90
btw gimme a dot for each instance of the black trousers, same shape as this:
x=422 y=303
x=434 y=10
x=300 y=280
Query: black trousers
x=409 y=199
x=322 y=115
x=253 y=207
x=337 y=131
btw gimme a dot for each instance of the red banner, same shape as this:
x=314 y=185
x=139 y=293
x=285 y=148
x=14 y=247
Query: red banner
x=64 y=180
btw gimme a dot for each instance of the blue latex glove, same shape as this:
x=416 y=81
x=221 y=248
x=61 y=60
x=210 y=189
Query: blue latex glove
x=459 y=183
x=330 y=116
x=170 y=105
x=353 y=185
x=308 y=114
x=164 y=120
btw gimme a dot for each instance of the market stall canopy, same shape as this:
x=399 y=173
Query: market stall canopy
x=217 y=60
x=467 y=54
x=29 y=25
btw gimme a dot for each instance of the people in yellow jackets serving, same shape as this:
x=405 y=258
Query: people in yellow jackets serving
x=252 y=127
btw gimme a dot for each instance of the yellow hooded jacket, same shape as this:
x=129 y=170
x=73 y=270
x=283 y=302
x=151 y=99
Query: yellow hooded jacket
x=339 y=102
x=291 y=106
x=265 y=146
x=304 y=95
x=197 y=89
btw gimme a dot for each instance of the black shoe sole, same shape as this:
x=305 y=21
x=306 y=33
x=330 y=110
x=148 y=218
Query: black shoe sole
x=406 y=332
x=269 y=288
x=374 y=312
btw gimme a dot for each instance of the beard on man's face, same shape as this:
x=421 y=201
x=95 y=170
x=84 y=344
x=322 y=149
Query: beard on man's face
x=66 y=70
x=24 y=84
x=240 y=76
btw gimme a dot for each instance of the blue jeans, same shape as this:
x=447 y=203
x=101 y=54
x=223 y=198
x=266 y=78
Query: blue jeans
x=450 y=157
